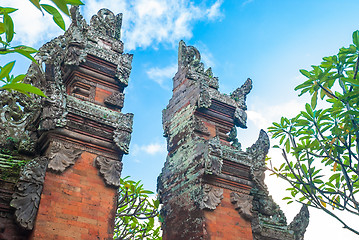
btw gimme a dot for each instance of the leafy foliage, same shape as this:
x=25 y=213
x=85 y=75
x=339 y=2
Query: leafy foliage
x=324 y=142
x=136 y=213
x=7 y=33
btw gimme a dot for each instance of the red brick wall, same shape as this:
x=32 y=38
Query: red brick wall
x=225 y=223
x=76 y=204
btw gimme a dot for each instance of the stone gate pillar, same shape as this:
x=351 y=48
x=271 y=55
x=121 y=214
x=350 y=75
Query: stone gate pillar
x=209 y=187
x=69 y=189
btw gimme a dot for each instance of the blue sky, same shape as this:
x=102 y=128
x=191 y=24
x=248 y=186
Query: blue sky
x=266 y=40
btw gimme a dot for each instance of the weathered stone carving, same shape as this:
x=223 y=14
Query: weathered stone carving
x=204 y=100
x=300 y=223
x=107 y=24
x=199 y=126
x=243 y=203
x=258 y=153
x=124 y=68
x=110 y=169
x=211 y=197
x=116 y=100
x=232 y=137
x=122 y=134
x=62 y=155
x=18 y=116
x=240 y=94
x=213 y=160
x=26 y=199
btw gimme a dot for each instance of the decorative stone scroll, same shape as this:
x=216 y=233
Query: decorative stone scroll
x=243 y=203
x=211 y=197
x=26 y=198
x=213 y=160
x=62 y=155
x=110 y=169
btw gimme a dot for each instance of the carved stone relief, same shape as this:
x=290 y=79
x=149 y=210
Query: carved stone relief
x=243 y=203
x=116 y=99
x=26 y=198
x=124 y=68
x=62 y=155
x=213 y=161
x=122 y=134
x=18 y=117
x=110 y=169
x=211 y=197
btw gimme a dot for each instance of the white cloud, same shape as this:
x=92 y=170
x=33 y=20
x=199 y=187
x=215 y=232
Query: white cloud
x=151 y=149
x=263 y=116
x=162 y=76
x=149 y=22
x=214 y=11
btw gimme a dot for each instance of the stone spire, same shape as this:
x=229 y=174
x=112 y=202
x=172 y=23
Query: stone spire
x=76 y=137
x=209 y=187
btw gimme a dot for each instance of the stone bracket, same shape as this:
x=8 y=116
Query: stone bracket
x=110 y=169
x=62 y=155
x=243 y=203
x=27 y=196
x=211 y=197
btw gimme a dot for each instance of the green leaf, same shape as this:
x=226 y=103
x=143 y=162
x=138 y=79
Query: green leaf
x=23 y=88
x=305 y=73
x=18 y=78
x=356 y=38
x=56 y=15
x=313 y=101
x=36 y=4
x=74 y=2
x=7 y=10
x=9 y=27
x=2 y=28
x=61 y=4
x=5 y=70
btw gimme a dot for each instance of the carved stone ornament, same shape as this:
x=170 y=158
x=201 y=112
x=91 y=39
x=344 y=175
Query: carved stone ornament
x=199 y=126
x=213 y=161
x=204 y=100
x=18 y=117
x=106 y=23
x=26 y=198
x=110 y=169
x=123 y=70
x=211 y=197
x=300 y=223
x=243 y=203
x=62 y=155
x=122 y=134
x=240 y=94
x=115 y=99
x=257 y=153
x=240 y=118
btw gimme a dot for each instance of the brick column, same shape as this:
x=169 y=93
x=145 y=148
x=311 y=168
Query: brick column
x=82 y=133
x=209 y=187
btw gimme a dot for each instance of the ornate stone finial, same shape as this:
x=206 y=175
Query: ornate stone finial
x=300 y=223
x=258 y=153
x=240 y=94
x=243 y=203
x=26 y=198
x=211 y=197
x=187 y=55
x=259 y=150
x=106 y=23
